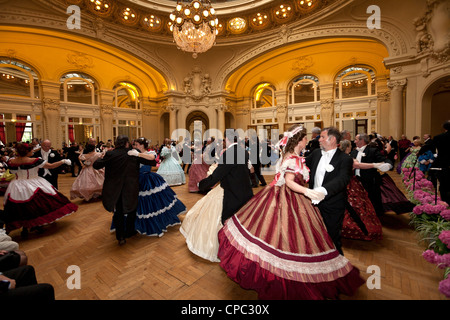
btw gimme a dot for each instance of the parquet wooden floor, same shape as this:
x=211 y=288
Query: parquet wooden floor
x=151 y=268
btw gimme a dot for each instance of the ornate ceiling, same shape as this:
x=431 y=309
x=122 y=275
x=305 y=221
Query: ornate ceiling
x=236 y=17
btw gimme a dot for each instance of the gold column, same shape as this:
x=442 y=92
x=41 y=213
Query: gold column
x=106 y=125
x=327 y=112
x=51 y=112
x=396 y=107
x=106 y=115
x=281 y=104
x=221 y=117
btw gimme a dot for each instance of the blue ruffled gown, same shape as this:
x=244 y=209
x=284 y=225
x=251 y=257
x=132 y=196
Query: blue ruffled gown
x=158 y=205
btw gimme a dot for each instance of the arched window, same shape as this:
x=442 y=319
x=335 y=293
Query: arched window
x=78 y=87
x=264 y=96
x=18 y=79
x=304 y=88
x=126 y=95
x=355 y=81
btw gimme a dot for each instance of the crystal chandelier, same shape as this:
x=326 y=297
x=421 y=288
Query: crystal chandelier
x=194 y=26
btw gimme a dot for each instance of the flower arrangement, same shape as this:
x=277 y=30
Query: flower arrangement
x=431 y=218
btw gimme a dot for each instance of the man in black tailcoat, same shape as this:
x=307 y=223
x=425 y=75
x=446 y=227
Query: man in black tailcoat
x=441 y=144
x=370 y=177
x=394 y=149
x=233 y=174
x=47 y=153
x=330 y=173
x=121 y=187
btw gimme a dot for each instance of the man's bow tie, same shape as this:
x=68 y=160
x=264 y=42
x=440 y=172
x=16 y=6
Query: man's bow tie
x=326 y=153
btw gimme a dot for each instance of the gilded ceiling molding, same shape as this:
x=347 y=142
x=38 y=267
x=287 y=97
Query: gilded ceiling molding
x=197 y=84
x=394 y=43
x=303 y=63
x=432 y=31
x=80 y=60
x=92 y=28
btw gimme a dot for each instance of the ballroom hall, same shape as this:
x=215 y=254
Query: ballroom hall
x=74 y=70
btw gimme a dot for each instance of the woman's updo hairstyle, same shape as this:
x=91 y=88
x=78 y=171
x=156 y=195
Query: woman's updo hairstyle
x=142 y=141
x=293 y=141
x=23 y=149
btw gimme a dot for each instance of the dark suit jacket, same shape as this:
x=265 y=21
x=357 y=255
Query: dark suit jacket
x=234 y=179
x=121 y=178
x=394 y=150
x=371 y=155
x=53 y=156
x=336 y=181
x=312 y=145
x=441 y=143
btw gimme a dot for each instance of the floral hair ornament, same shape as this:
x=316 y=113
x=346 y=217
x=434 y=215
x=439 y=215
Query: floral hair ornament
x=287 y=135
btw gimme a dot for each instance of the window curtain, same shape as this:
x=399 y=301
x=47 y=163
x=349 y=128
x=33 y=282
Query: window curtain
x=71 y=136
x=2 y=130
x=20 y=127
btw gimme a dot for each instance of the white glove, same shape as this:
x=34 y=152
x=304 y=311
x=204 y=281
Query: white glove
x=314 y=195
x=67 y=162
x=382 y=166
x=133 y=152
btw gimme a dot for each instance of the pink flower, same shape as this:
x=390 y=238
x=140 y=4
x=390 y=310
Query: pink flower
x=441 y=260
x=417 y=210
x=444 y=287
x=430 y=256
x=446 y=214
x=444 y=236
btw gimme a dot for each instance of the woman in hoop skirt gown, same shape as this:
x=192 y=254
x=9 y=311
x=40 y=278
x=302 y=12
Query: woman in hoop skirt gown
x=89 y=183
x=202 y=223
x=277 y=244
x=198 y=169
x=360 y=220
x=158 y=205
x=170 y=168
x=31 y=201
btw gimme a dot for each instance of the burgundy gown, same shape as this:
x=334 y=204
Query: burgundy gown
x=277 y=244
x=363 y=208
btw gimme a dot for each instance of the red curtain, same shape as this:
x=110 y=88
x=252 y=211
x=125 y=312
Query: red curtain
x=71 y=136
x=20 y=127
x=2 y=131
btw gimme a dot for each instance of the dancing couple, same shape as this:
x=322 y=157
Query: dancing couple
x=278 y=242
x=141 y=201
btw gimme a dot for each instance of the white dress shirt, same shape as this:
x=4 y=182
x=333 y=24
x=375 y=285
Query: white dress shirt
x=359 y=157
x=45 y=157
x=321 y=169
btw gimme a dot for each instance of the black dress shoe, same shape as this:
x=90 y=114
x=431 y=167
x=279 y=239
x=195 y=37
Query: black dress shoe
x=263 y=184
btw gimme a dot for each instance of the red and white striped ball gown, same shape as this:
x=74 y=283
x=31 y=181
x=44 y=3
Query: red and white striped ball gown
x=278 y=245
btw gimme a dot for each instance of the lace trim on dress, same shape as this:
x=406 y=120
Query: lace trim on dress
x=294 y=164
x=153 y=214
x=154 y=190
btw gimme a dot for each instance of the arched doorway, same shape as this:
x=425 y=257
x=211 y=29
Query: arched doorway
x=435 y=109
x=197 y=123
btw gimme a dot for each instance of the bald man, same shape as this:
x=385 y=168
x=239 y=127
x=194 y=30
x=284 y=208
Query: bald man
x=47 y=153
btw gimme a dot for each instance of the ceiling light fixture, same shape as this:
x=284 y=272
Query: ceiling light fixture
x=194 y=26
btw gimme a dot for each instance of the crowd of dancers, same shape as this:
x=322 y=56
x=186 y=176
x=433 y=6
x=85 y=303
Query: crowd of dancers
x=284 y=242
